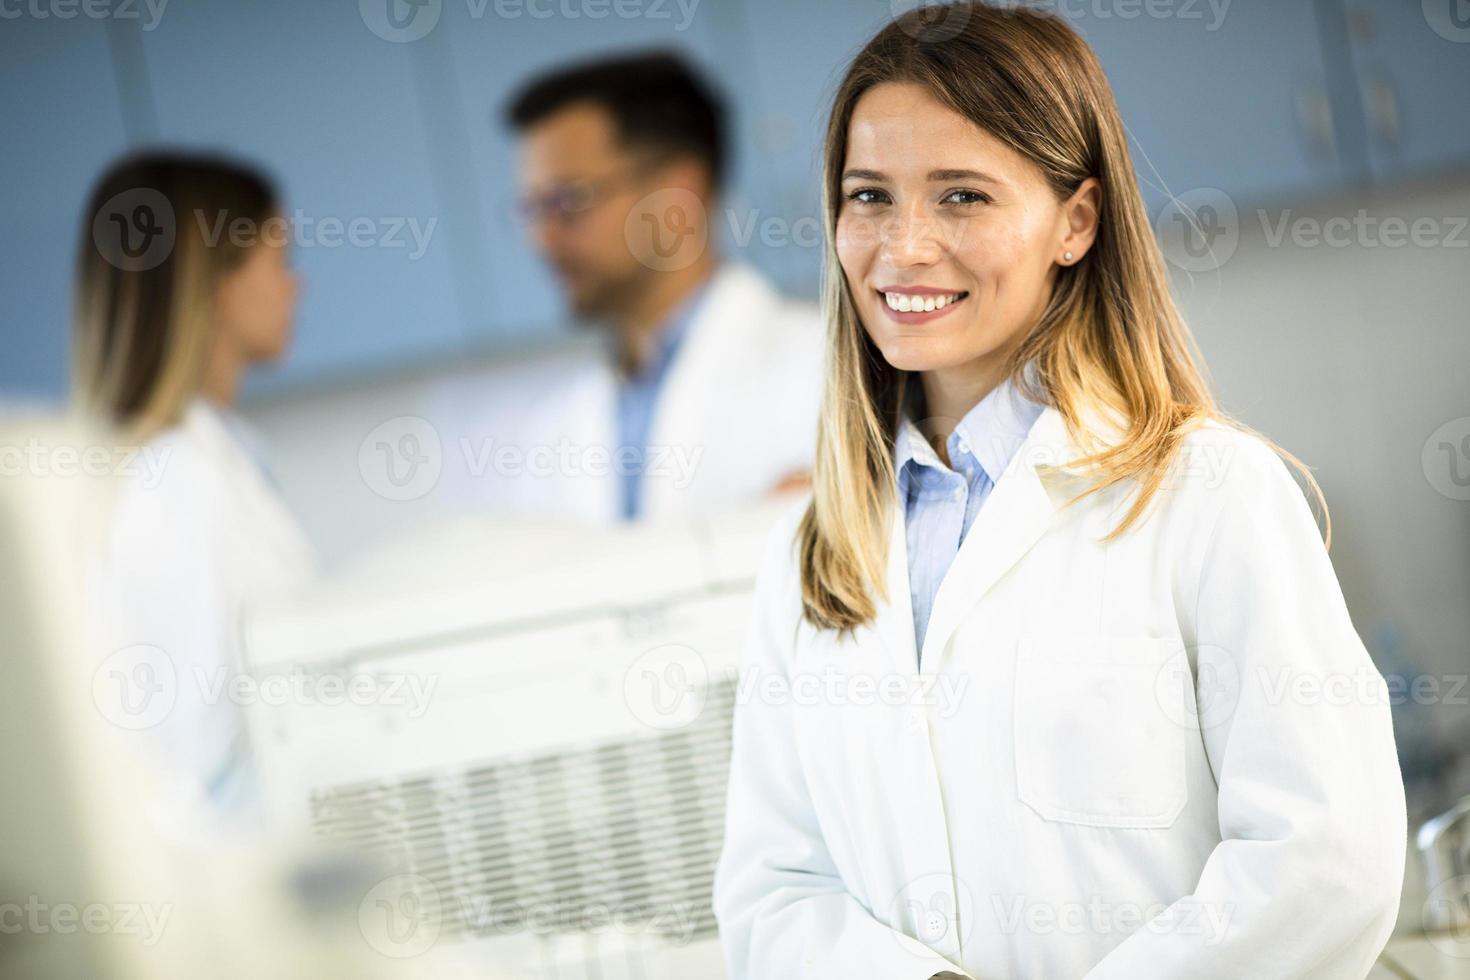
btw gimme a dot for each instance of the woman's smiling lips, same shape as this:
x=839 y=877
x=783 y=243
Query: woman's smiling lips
x=918 y=304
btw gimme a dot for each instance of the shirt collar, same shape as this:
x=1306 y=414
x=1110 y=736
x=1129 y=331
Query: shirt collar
x=988 y=436
x=208 y=414
x=669 y=336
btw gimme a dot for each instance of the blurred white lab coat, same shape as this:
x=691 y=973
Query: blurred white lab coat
x=1168 y=756
x=191 y=547
x=736 y=415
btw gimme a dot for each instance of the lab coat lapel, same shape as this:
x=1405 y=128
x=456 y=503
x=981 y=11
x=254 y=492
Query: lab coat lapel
x=275 y=542
x=1021 y=507
x=716 y=347
x=587 y=417
x=894 y=622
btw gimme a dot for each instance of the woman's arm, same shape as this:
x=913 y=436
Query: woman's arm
x=163 y=586
x=783 y=909
x=1297 y=730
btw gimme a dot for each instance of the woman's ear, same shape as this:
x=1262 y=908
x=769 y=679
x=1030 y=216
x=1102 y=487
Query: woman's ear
x=1080 y=213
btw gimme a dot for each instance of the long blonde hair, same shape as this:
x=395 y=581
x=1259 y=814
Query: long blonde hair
x=1110 y=341
x=147 y=272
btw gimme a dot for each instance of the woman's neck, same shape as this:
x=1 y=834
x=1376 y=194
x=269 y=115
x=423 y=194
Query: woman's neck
x=949 y=394
x=222 y=373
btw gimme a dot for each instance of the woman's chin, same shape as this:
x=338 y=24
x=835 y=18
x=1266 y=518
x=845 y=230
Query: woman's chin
x=915 y=353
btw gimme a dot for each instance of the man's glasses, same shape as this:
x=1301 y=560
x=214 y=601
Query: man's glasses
x=566 y=202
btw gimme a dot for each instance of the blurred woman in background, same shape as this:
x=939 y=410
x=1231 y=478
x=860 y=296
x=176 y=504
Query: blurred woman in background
x=183 y=284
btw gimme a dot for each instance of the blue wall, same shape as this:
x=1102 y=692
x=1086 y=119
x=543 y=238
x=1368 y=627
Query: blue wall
x=398 y=128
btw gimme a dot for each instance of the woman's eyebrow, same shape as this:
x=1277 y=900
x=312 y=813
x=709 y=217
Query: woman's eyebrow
x=963 y=175
x=933 y=175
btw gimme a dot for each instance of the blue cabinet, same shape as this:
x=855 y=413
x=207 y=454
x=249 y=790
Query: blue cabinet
x=62 y=120
x=382 y=119
x=1412 y=67
x=1236 y=99
x=336 y=113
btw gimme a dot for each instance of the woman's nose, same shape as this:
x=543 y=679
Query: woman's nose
x=911 y=239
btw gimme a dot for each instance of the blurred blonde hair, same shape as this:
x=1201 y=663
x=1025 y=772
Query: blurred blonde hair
x=142 y=323
x=1110 y=343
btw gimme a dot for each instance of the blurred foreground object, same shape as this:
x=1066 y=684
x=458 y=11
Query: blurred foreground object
x=97 y=879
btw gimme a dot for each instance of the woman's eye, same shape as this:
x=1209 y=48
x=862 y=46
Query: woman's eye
x=868 y=195
x=965 y=197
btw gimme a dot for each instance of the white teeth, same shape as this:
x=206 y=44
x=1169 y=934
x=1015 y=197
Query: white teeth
x=905 y=303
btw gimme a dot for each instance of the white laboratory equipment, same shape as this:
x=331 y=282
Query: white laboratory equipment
x=531 y=726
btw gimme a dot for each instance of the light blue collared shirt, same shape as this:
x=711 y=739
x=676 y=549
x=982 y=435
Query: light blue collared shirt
x=638 y=397
x=940 y=502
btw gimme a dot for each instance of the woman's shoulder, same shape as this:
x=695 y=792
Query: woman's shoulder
x=1227 y=468
x=170 y=482
x=178 y=461
x=1219 y=455
x=782 y=544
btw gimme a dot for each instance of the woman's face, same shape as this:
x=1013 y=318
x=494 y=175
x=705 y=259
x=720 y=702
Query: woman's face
x=948 y=238
x=255 y=302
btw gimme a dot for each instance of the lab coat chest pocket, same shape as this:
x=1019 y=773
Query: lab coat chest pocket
x=1096 y=741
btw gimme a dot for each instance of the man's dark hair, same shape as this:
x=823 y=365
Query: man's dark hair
x=658 y=103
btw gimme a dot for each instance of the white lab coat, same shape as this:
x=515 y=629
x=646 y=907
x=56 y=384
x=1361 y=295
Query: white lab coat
x=187 y=554
x=736 y=415
x=1119 y=760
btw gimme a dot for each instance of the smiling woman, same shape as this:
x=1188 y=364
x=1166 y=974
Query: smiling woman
x=1024 y=486
x=1008 y=189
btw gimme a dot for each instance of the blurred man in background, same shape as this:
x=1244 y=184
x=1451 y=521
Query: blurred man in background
x=705 y=391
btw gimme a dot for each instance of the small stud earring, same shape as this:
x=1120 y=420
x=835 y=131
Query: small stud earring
x=1067 y=256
